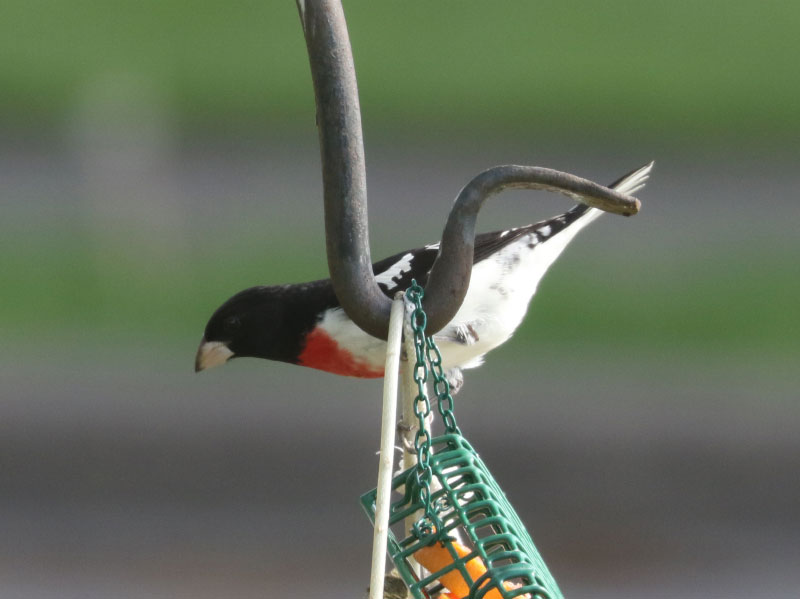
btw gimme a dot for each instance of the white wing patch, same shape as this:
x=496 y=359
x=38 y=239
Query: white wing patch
x=397 y=269
x=504 y=233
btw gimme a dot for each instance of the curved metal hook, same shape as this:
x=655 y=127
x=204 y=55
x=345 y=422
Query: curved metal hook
x=450 y=273
x=345 y=188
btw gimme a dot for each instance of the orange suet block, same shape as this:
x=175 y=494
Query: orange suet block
x=436 y=557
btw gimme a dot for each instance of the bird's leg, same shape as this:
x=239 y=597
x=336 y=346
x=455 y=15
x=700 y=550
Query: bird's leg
x=404 y=431
x=407 y=432
x=394 y=587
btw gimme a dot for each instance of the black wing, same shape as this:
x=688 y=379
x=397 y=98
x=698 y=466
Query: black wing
x=487 y=244
x=400 y=269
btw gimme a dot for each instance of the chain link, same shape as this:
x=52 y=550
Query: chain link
x=441 y=386
x=422 y=407
x=427 y=353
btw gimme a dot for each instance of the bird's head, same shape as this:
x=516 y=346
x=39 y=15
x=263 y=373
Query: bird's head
x=264 y=322
x=241 y=327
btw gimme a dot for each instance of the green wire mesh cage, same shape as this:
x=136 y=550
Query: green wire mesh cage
x=478 y=548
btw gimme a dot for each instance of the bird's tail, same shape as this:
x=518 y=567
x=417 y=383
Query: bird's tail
x=559 y=231
x=632 y=182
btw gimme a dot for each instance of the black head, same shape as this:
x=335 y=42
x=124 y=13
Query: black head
x=262 y=322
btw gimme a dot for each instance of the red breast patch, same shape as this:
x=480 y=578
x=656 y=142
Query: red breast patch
x=323 y=353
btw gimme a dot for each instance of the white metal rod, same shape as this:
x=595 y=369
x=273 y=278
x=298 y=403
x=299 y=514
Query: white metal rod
x=386 y=462
x=410 y=424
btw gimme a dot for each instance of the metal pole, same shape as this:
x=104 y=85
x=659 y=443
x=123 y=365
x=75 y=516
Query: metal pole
x=409 y=418
x=344 y=177
x=345 y=188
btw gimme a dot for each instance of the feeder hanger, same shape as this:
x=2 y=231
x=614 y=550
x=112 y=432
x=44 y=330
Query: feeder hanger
x=466 y=535
x=345 y=188
x=426 y=352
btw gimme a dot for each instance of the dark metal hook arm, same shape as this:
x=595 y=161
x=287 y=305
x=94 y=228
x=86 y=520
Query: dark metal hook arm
x=450 y=274
x=345 y=188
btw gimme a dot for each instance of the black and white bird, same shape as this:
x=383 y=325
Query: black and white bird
x=304 y=324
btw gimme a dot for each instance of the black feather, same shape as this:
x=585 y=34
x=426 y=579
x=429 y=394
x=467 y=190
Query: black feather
x=486 y=244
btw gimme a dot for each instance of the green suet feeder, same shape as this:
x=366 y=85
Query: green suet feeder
x=475 y=515
x=466 y=535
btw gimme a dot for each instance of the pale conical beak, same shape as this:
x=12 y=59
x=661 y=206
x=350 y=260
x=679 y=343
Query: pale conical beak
x=210 y=354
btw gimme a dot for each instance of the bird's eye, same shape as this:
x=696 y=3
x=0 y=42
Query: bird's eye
x=232 y=324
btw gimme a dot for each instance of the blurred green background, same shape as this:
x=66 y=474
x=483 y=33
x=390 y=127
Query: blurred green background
x=156 y=157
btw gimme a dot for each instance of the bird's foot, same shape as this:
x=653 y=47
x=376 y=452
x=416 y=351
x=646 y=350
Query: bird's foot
x=407 y=432
x=455 y=378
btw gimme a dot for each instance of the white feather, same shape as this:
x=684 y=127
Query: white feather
x=395 y=270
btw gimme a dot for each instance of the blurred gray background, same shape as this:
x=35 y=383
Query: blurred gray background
x=157 y=157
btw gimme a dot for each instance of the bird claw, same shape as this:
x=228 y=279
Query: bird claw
x=455 y=378
x=405 y=431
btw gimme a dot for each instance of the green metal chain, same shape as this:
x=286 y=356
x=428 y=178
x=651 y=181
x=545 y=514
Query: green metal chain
x=422 y=407
x=441 y=386
x=426 y=352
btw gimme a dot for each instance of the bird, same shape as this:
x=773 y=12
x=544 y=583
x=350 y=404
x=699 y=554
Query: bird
x=304 y=324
